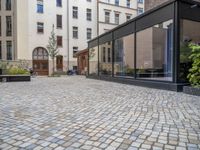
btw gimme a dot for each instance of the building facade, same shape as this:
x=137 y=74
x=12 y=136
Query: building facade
x=149 y=4
x=7 y=34
x=112 y=13
x=26 y=27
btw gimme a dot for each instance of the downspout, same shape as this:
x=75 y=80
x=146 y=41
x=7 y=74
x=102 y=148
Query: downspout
x=97 y=17
x=68 y=35
x=14 y=28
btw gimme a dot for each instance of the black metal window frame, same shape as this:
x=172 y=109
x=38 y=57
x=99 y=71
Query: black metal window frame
x=169 y=10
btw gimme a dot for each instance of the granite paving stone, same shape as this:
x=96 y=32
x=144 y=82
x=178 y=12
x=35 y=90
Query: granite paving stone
x=73 y=112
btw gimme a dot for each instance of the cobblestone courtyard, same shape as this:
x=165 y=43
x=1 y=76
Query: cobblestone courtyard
x=79 y=113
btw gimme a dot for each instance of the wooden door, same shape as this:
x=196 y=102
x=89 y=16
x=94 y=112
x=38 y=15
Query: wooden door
x=59 y=63
x=40 y=61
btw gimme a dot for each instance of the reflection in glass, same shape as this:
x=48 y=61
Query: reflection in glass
x=105 y=59
x=93 y=61
x=190 y=33
x=154 y=52
x=124 y=56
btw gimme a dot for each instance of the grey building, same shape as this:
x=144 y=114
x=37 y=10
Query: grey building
x=149 y=4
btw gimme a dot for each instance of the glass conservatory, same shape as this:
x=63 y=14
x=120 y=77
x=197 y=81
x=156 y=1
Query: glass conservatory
x=150 y=50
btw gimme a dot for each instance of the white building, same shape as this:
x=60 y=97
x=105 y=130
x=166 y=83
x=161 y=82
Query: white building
x=111 y=13
x=26 y=25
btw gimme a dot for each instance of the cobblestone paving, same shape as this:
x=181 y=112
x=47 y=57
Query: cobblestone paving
x=77 y=113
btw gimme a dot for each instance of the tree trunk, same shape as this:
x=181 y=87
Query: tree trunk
x=53 y=67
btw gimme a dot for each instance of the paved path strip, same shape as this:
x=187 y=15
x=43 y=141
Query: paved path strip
x=79 y=113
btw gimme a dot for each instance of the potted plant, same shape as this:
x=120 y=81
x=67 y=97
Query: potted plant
x=194 y=71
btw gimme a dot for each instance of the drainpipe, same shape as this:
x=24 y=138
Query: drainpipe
x=97 y=17
x=68 y=35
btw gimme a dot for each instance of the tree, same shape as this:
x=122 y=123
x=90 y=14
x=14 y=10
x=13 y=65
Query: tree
x=52 y=48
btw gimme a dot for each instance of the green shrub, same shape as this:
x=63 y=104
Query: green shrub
x=17 y=71
x=194 y=72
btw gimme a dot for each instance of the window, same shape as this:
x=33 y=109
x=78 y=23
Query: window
x=59 y=41
x=59 y=3
x=75 y=32
x=0 y=50
x=117 y=2
x=40 y=54
x=128 y=17
x=104 y=55
x=124 y=56
x=107 y=17
x=75 y=68
x=89 y=0
x=75 y=50
x=75 y=12
x=89 y=14
x=128 y=3
x=40 y=8
x=40 y=27
x=0 y=24
x=59 y=21
x=154 y=52
x=105 y=61
x=109 y=54
x=89 y=33
x=141 y=1
x=8 y=26
x=9 y=50
x=140 y=10
x=116 y=18
x=8 y=4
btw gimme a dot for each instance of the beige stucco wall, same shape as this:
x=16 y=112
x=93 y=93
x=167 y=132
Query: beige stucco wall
x=22 y=29
x=190 y=31
x=122 y=9
x=3 y=37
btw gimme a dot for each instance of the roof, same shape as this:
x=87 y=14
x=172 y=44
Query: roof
x=81 y=52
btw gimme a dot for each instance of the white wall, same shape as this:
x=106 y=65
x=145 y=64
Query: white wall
x=123 y=3
x=82 y=25
x=122 y=10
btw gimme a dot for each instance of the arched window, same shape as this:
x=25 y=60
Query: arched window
x=40 y=54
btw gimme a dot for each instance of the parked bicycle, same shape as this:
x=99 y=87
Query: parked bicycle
x=33 y=73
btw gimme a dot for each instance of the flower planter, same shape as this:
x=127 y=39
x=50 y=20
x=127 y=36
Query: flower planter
x=191 y=90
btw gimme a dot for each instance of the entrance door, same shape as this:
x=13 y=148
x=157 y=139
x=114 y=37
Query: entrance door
x=59 y=63
x=40 y=61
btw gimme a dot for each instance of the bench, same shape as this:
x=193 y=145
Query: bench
x=15 y=78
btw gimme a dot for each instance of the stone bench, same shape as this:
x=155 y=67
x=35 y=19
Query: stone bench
x=15 y=78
